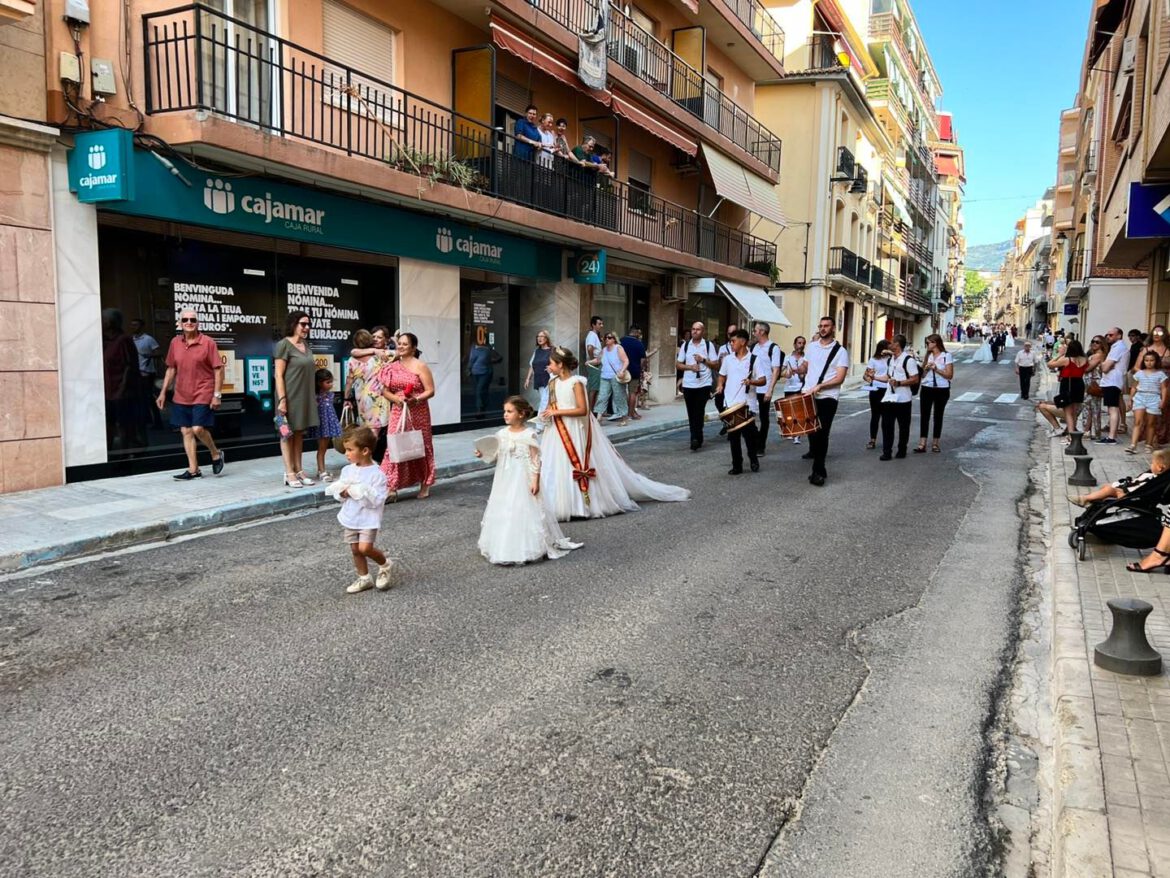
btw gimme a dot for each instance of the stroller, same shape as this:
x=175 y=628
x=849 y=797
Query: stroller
x=1133 y=521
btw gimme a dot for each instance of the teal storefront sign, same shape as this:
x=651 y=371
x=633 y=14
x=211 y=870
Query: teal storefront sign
x=264 y=207
x=101 y=165
x=589 y=267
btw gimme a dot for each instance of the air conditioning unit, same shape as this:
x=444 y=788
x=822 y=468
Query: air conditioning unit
x=676 y=290
x=1128 y=55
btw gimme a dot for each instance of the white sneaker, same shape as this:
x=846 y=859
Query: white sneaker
x=795 y=440
x=360 y=584
x=385 y=575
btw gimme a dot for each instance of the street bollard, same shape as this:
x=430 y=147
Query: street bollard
x=1126 y=650
x=1075 y=445
x=1082 y=475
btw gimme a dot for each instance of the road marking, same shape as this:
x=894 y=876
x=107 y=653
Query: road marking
x=969 y=397
x=1007 y=398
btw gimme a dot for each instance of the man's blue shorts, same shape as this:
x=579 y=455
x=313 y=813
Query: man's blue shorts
x=192 y=415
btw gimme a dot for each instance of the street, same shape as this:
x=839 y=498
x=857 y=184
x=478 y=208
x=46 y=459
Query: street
x=771 y=679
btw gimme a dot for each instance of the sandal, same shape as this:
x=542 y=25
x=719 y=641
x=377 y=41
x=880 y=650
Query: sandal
x=392 y=497
x=305 y=480
x=1164 y=566
x=291 y=481
x=1131 y=449
x=934 y=448
x=424 y=492
x=921 y=449
x=871 y=444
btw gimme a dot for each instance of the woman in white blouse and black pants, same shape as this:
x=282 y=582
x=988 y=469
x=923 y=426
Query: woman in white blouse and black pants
x=898 y=403
x=875 y=385
x=937 y=372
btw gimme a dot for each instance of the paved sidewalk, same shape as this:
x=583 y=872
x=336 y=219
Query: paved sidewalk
x=67 y=522
x=1111 y=786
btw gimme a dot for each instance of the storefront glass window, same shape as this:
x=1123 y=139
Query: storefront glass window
x=241 y=296
x=487 y=350
x=713 y=310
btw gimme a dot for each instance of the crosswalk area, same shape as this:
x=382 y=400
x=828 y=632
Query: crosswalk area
x=969 y=397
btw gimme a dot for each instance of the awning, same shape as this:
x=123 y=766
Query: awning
x=740 y=186
x=900 y=207
x=946 y=165
x=625 y=107
x=517 y=44
x=753 y=301
x=848 y=37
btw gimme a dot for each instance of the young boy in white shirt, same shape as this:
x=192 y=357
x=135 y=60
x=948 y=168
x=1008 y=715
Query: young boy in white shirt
x=361 y=488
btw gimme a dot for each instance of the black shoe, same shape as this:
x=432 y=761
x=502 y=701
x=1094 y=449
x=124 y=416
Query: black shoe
x=217 y=464
x=723 y=432
x=186 y=475
x=760 y=453
x=886 y=457
x=695 y=446
x=807 y=456
x=755 y=466
x=901 y=453
x=816 y=479
x=735 y=471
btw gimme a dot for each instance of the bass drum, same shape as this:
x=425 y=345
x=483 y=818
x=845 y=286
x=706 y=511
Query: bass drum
x=797 y=415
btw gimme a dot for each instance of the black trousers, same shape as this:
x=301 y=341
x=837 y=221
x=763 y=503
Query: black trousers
x=1025 y=381
x=719 y=398
x=765 y=417
x=748 y=436
x=934 y=399
x=696 y=399
x=902 y=412
x=818 y=442
x=875 y=413
x=380 y=445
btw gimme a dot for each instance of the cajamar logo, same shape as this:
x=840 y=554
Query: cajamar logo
x=218 y=197
x=443 y=240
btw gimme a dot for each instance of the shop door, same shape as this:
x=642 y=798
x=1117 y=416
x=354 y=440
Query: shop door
x=488 y=357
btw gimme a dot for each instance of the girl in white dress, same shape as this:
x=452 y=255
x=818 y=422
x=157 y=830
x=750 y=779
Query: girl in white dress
x=582 y=475
x=516 y=528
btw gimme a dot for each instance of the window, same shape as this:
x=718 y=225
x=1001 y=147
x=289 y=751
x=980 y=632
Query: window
x=367 y=48
x=639 y=181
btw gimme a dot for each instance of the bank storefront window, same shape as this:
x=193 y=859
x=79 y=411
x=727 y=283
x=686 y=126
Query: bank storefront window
x=487 y=350
x=241 y=296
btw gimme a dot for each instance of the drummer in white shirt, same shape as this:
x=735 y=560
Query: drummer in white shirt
x=794 y=371
x=766 y=349
x=828 y=364
x=724 y=351
x=740 y=374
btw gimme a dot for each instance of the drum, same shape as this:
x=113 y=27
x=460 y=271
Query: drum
x=797 y=415
x=736 y=417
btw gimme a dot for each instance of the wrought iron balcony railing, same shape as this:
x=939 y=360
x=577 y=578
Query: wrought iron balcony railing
x=199 y=59
x=651 y=61
x=761 y=23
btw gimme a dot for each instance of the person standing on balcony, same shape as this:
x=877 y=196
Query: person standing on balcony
x=527 y=135
x=548 y=141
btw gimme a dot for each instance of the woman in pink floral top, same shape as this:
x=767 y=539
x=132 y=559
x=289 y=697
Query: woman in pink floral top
x=408 y=381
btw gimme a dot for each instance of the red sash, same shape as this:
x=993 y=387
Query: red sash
x=582 y=473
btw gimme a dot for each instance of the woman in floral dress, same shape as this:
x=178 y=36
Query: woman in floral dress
x=1091 y=412
x=361 y=371
x=408 y=381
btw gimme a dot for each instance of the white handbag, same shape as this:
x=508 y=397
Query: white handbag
x=407 y=443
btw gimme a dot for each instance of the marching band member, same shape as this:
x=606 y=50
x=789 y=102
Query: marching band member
x=724 y=352
x=828 y=364
x=768 y=350
x=739 y=376
x=794 y=372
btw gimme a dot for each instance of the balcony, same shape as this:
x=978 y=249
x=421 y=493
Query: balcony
x=645 y=57
x=198 y=59
x=820 y=55
x=761 y=23
x=879 y=90
x=843 y=262
x=885 y=27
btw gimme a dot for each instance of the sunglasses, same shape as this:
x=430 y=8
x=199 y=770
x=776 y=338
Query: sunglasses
x=303 y=323
x=189 y=320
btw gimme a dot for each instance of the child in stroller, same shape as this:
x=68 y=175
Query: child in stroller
x=1159 y=462
x=1132 y=512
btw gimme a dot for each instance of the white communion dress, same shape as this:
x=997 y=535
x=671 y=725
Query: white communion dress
x=599 y=482
x=983 y=355
x=516 y=527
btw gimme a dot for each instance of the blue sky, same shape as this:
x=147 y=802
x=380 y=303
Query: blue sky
x=1008 y=67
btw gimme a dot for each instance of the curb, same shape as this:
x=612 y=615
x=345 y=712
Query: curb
x=244 y=511
x=1080 y=829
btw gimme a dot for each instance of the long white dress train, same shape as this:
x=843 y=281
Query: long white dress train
x=516 y=527
x=983 y=355
x=612 y=486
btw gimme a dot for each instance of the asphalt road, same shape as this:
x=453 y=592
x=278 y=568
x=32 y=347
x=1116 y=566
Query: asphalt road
x=662 y=702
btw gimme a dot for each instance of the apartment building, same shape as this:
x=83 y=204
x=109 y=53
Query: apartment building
x=30 y=423
x=359 y=160
x=1111 y=248
x=856 y=110
x=950 y=249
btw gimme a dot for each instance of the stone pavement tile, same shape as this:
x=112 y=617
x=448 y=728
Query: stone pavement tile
x=1119 y=775
x=1129 y=851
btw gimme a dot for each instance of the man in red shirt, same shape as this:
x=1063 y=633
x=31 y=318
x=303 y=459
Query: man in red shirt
x=193 y=364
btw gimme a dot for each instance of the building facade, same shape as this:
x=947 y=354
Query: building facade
x=360 y=161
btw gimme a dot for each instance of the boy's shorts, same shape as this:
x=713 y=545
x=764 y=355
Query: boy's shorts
x=360 y=536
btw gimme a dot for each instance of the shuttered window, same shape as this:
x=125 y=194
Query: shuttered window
x=511 y=95
x=358 y=41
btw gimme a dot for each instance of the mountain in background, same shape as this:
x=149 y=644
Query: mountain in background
x=987 y=257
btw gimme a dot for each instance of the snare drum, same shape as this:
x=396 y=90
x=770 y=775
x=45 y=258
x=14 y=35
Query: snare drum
x=797 y=415
x=736 y=417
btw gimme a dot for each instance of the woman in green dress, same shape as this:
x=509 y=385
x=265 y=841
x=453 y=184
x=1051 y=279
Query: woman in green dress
x=296 y=396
